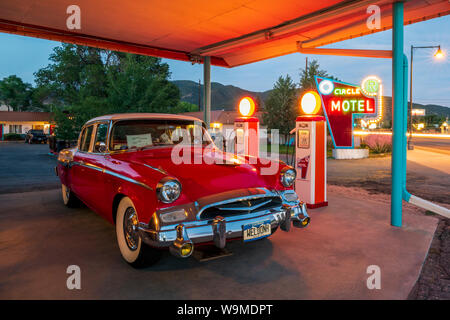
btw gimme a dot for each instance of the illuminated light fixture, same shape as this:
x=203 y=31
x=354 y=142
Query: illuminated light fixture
x=310 y=102
x=326 y=87
x=186 y=249
x=370 y=86
x=216 y=125
x=439 y=54
x=246 y=107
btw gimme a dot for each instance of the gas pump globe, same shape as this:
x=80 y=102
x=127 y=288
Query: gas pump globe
x=247 y=129
x=311 y=152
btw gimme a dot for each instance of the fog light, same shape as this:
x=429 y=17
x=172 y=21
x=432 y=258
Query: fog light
x=290 y=196
x=305 y=221
x=186 y=249
x=173 y=216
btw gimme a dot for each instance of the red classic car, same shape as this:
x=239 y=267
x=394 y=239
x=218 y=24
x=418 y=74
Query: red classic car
x=129 y=169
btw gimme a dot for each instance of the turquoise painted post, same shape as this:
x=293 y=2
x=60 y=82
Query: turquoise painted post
x=398 y=114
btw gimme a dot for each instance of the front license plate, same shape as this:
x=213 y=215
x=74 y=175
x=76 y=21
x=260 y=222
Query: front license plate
x=256 y=231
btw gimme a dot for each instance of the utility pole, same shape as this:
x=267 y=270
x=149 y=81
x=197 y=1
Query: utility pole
x=439 y=54
x=306 y=67
x=199 y=95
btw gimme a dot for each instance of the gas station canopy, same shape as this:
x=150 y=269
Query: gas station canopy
x=232 y=33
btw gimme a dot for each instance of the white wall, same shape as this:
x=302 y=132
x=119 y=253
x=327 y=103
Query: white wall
x=25 y=126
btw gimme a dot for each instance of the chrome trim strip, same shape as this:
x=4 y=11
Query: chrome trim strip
x=117 y=175
x=156 y=169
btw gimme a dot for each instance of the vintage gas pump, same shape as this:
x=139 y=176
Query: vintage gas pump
x=247 y=129
x=311 y=152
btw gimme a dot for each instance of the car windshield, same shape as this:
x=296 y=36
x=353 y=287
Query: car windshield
x=36 y=132
x=138 y=134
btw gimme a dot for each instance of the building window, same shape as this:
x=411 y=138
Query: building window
x=15 y=128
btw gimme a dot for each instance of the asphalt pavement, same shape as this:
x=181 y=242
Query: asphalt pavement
x=26 y=167
x=40 y=238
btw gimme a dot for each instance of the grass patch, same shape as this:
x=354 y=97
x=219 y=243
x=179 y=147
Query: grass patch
x=283 y=149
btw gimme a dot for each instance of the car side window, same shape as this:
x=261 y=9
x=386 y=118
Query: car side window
x=100 y=138
x=86 y=139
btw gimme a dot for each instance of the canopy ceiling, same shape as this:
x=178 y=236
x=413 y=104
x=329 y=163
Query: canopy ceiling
x=232 y=32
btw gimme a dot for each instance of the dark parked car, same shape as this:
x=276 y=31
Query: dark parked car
x=35 y=136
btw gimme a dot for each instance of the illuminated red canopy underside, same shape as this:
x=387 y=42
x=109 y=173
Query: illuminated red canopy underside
x=231 y=32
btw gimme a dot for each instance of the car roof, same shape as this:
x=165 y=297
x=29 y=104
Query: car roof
x=135 y=116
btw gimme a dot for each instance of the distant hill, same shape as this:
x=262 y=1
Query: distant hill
x=429 y=109
x=226 y=98
x=222 y=97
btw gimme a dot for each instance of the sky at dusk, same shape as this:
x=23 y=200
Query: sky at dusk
x=23 y=56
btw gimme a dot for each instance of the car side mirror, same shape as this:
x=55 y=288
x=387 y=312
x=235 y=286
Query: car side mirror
x=100 y=147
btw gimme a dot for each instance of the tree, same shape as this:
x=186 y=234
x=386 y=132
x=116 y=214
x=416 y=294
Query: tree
x=76 y=72
x=280 y=106
x=86 y=82
x=184 y=106
x=307 y=80
x=15 y=93
x=140 y=84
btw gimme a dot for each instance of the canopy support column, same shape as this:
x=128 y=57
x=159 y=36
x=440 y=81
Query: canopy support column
x=398 y=106
x=207 y=90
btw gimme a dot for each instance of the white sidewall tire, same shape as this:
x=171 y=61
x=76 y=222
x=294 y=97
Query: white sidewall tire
x=129 y=255
x=64 y=194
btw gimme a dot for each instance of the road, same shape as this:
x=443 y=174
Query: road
x=440 y=145
x=25 y=167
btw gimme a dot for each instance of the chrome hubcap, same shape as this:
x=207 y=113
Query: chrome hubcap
x=67 y=193
x=130 y=228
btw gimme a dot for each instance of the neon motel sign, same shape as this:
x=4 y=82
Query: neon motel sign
x=343 y=102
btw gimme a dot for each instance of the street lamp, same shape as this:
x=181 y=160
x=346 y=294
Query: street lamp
x=438 y=55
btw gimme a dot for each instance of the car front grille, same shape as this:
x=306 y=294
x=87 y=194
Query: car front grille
x=241 y=206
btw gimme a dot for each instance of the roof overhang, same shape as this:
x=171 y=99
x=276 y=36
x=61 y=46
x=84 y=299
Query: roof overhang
x=233 y=33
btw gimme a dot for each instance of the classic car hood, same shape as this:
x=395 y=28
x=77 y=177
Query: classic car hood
x=218 y=172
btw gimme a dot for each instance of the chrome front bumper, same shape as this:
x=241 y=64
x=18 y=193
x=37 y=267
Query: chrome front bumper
x=219 y=229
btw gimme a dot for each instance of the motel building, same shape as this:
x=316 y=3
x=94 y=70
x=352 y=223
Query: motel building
x=22 y=122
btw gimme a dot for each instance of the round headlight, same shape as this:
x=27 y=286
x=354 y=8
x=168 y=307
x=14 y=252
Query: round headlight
x=168 y=190
x=288 y=177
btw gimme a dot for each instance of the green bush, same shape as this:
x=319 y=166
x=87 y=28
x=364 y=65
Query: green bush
x=13 y=136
